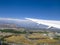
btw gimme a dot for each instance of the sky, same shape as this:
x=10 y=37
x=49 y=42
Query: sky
x=40 y=9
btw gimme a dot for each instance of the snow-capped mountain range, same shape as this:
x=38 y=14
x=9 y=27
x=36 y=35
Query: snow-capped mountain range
x=24 y=23
x=21 y=22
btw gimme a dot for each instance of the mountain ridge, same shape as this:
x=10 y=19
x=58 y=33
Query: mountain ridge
x=26 y=24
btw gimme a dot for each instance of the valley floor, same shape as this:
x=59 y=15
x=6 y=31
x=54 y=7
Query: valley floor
x=28 y=38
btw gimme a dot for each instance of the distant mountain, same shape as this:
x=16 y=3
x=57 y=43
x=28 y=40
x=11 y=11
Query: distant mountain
x=25 y=24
